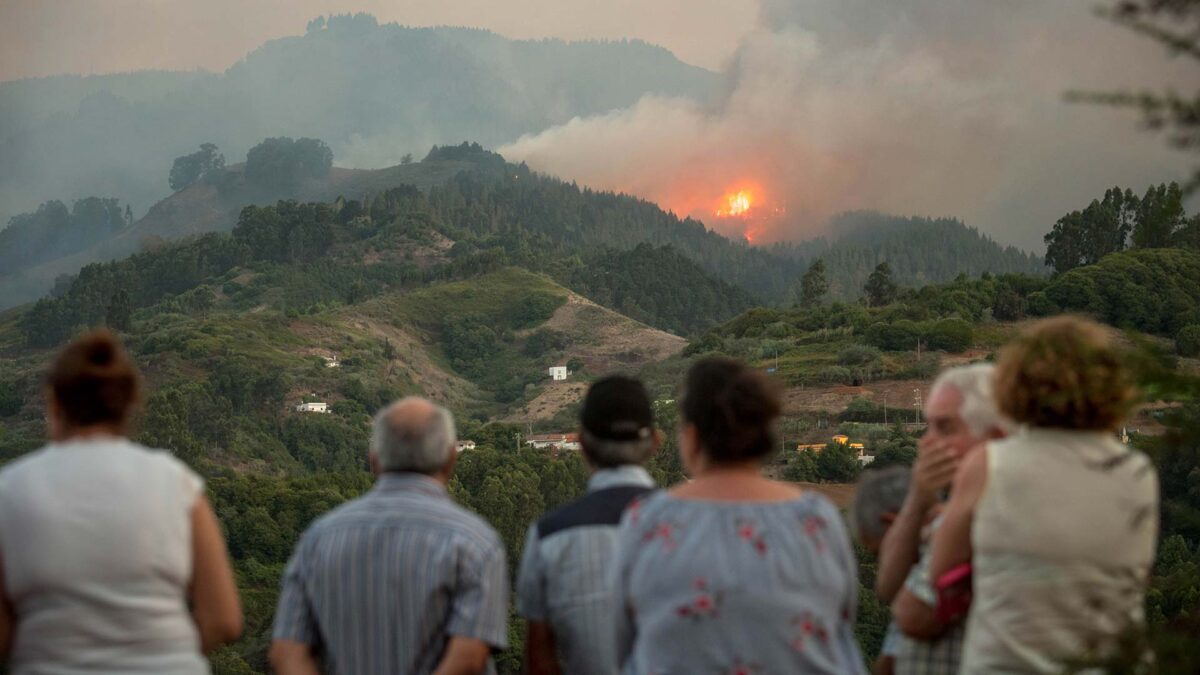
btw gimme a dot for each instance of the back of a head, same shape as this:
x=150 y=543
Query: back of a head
x=94 y=382
x=880 y=492
x=415 y=435
x=976 y=384
x=733 y=408
x=1065 y=373
x=617 y=422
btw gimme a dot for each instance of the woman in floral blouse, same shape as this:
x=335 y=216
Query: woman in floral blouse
x=732 y=573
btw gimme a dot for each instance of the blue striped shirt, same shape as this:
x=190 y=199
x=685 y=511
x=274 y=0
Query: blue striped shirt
x=381 y=583
x=565 y=573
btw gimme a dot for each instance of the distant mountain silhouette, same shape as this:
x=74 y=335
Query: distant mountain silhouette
x=372 y=92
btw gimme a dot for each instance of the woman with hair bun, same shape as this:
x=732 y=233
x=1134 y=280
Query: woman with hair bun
x=111 y=559
x=731 y=572
x=1059 y=520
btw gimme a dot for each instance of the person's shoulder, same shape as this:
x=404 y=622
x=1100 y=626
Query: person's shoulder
x=598 y=508
x=14 y=471
x=471 y=529
x=342 y=514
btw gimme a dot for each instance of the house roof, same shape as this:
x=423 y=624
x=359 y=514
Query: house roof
x=552 y=438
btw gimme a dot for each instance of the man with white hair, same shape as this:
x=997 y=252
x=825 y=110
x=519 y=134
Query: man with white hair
x=961 y=416
x=400 y=580
x=564 y=585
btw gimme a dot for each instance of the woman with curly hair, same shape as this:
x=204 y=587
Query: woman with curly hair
x=1060 y=520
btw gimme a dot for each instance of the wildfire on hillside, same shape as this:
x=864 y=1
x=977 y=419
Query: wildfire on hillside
x=749 y=210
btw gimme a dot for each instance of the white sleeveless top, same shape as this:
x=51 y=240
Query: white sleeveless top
x=1064 y=538
x=96 y=540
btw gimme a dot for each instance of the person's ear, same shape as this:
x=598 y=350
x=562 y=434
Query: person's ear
x=887 y=518
x=689 y=449
x=448 y=468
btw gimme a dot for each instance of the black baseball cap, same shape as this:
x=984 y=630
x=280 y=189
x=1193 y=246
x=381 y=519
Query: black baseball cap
x=617 y=408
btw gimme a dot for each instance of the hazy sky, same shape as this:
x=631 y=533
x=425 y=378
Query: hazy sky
x=49 y=37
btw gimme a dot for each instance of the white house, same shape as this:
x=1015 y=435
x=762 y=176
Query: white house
x=556 y=441
x=866 y=459
x=332 y=361
x=313 y=407
x=464 y=445
x=558 y=373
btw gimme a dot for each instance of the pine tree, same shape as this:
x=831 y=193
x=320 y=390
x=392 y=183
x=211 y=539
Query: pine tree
x=813 y=285
x=880 y=289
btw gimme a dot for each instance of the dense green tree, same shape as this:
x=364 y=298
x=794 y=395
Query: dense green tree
x=837 y=463
x=203 y=164
x=801 y=467
x=880 y=290
x=1160 y=215
x=813 y=285
x=119 y=313
x=1187 y=341
x=1084 y=237
x=279 y=164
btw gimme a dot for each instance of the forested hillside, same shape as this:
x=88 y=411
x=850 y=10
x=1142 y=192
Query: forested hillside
x=920 y=251
x=372 y=92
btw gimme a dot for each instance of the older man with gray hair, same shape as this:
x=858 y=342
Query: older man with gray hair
x=563 y=585
x=400 y=580
x=961 y=416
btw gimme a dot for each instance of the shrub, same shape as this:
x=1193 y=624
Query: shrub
x=857 y=355
x=951 y=335
x=899 y=336
x=1187 y=342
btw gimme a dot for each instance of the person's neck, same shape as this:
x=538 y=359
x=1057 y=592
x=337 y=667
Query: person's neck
x=740 y=471
x=89 y=433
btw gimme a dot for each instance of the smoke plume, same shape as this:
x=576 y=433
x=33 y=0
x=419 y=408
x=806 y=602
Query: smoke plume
x=909 y=106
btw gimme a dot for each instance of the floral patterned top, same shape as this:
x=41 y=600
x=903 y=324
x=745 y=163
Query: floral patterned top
x=735 y=588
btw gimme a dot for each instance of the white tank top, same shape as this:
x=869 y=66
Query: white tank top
x=1064 y=537
x=96 y=540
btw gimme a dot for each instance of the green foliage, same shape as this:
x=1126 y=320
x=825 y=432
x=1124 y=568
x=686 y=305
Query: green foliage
x=1154 y=291
x=837 y=463
x=204 y=164
x=813 y=285
x=54 y=231
x=660 y=287
x=919 y=251
x=1084 y=237
x=880 y=289
x=950 y=335
x=544 y=341
x=801 y=467
x=11 y=400
x=900 y=448
x=1187 y=341
x=858 y=355
x=1160 y=215
x=281 y=163
x=898 y=336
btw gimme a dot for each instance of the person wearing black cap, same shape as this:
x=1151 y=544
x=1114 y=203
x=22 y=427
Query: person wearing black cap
x=562 y=585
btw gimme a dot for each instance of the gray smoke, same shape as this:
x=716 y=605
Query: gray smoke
x=907 y=106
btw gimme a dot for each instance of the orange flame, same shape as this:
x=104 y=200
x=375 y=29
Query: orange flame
x=736 y=204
